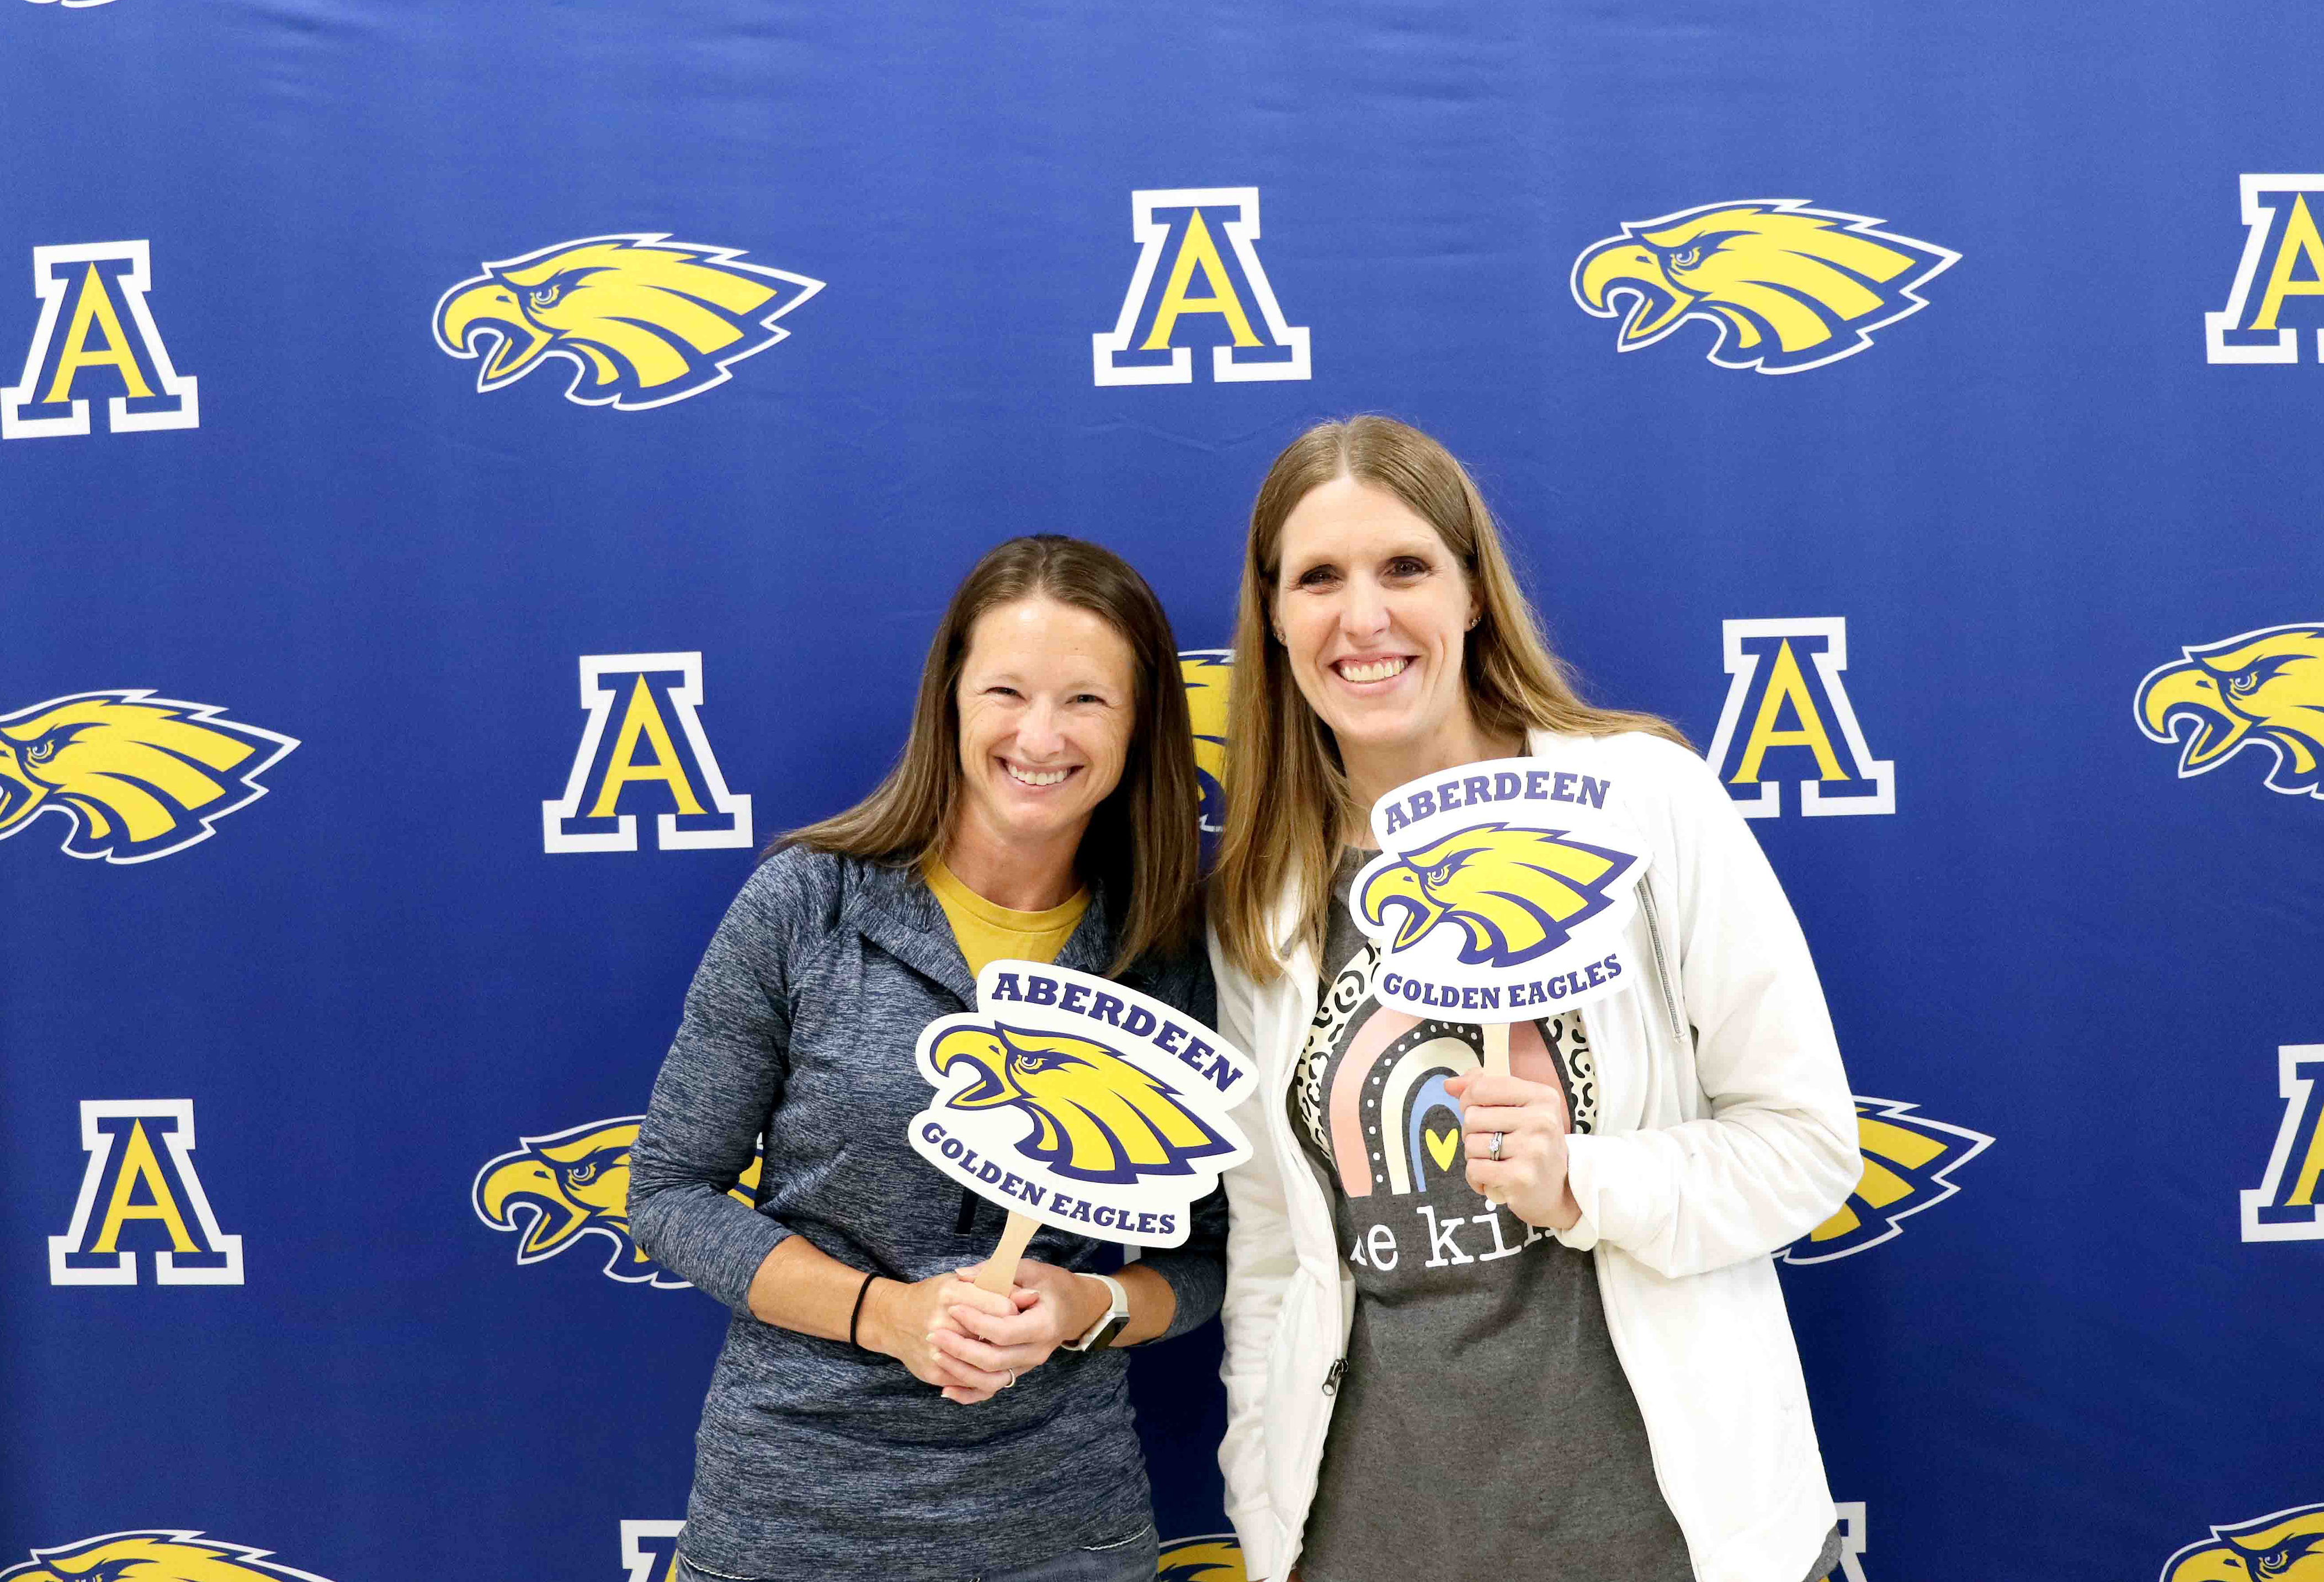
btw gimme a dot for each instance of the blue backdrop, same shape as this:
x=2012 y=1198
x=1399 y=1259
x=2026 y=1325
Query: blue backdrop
x=428 y=414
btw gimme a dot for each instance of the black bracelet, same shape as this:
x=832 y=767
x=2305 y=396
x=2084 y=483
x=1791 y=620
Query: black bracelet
x=856 y=1316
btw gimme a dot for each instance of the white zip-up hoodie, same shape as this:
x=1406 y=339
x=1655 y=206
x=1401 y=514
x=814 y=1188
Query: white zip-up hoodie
x=1725 y=1132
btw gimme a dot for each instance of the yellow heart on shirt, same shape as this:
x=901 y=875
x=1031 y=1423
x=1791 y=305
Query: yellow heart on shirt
x=1441 y=1146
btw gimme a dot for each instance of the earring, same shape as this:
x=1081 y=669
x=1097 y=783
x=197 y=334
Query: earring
x=1474 y=620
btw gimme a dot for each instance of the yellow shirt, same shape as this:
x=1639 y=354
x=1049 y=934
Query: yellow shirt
x=987 y=932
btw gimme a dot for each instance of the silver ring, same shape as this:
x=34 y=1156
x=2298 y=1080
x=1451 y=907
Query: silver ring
x=1493 y=1148
x=1012 y=1378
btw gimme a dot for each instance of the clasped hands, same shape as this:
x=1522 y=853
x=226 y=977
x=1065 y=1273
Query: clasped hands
x=967 y=1341
x=1529 y=1178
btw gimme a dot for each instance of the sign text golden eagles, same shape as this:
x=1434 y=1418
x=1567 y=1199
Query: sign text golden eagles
x=1786 y=287
x=2263 y=688
x=575 y=1183
x=644 y=320
x=134 y=776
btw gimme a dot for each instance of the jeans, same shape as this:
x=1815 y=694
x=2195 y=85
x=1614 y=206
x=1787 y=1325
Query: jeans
x=1132 y=1559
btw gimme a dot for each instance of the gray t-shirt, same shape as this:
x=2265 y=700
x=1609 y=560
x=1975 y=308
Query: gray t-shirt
x=1483 y=1419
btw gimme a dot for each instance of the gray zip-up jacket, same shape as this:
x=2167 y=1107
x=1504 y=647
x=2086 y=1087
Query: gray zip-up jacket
x=815 y=1458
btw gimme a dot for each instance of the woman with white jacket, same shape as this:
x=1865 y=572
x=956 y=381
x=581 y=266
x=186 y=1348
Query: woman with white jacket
x=1589 y=1375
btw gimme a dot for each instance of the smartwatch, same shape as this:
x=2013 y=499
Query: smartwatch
x=1115 y=1320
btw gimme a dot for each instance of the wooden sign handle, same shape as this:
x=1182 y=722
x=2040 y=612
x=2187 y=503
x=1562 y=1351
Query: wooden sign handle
x=1496 y=1048
x=1497 y=1064
x=1000 y=1269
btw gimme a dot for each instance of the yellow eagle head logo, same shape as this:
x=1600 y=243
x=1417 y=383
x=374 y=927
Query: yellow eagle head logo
x=1514 y=893
x=1215 y=1557
x=2287 y=1547
x=575 y=1183
x=1788 y=287
x=1096 y=1117
x=644 y=319
x=137 y=777
x=2263 y=688
x=1908 y=1162
x=156 y=1555
x=1206 y=673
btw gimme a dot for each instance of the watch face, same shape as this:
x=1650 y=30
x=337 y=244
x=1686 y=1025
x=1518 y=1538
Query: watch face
x=1116 y=1319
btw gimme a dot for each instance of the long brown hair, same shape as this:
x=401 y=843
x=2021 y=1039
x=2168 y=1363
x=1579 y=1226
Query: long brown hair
x=1141 y=847
x=1288 y=808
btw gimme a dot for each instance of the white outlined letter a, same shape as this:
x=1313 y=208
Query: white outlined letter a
x=1214 y=295
x=130 y=1179
x=96 y=337
x=634 y=700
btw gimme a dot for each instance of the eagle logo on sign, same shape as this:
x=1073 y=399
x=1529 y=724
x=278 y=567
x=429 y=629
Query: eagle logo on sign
x=1516 y=894
x=137 y=776
x=1787 y=287
x=644 y=320
x=1096 y=1117
x=2263 y=688
x=2286 y=1547
x=575 y=1183
x=154 y=1556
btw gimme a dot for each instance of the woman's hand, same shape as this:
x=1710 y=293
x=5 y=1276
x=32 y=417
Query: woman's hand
x=1532 y=1120
x=912 y=1322
x=1049 y=1307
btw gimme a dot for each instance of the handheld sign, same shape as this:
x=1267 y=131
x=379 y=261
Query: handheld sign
x=1501 y=892
x=1073 y=1102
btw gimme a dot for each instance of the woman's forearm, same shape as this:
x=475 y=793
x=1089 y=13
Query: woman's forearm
x=690 y=1224
x=801 y=1287
x=1153 y=1303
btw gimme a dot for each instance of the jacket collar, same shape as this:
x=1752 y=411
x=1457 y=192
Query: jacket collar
x=895 y=909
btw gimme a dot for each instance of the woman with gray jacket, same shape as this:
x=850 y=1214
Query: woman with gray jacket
x=873 y=1414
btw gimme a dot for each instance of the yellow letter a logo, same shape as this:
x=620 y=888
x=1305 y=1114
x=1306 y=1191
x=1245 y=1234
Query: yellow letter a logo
x=2283 y=1208
x=2299 y=244
x=658 y=742
x=1199 y=252
x=1258 y=344
x=96 y=341
x=1771 y=688
x=137 y=1182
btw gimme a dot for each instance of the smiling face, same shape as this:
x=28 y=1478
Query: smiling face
x=1048 y=699
x=1374 y=611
